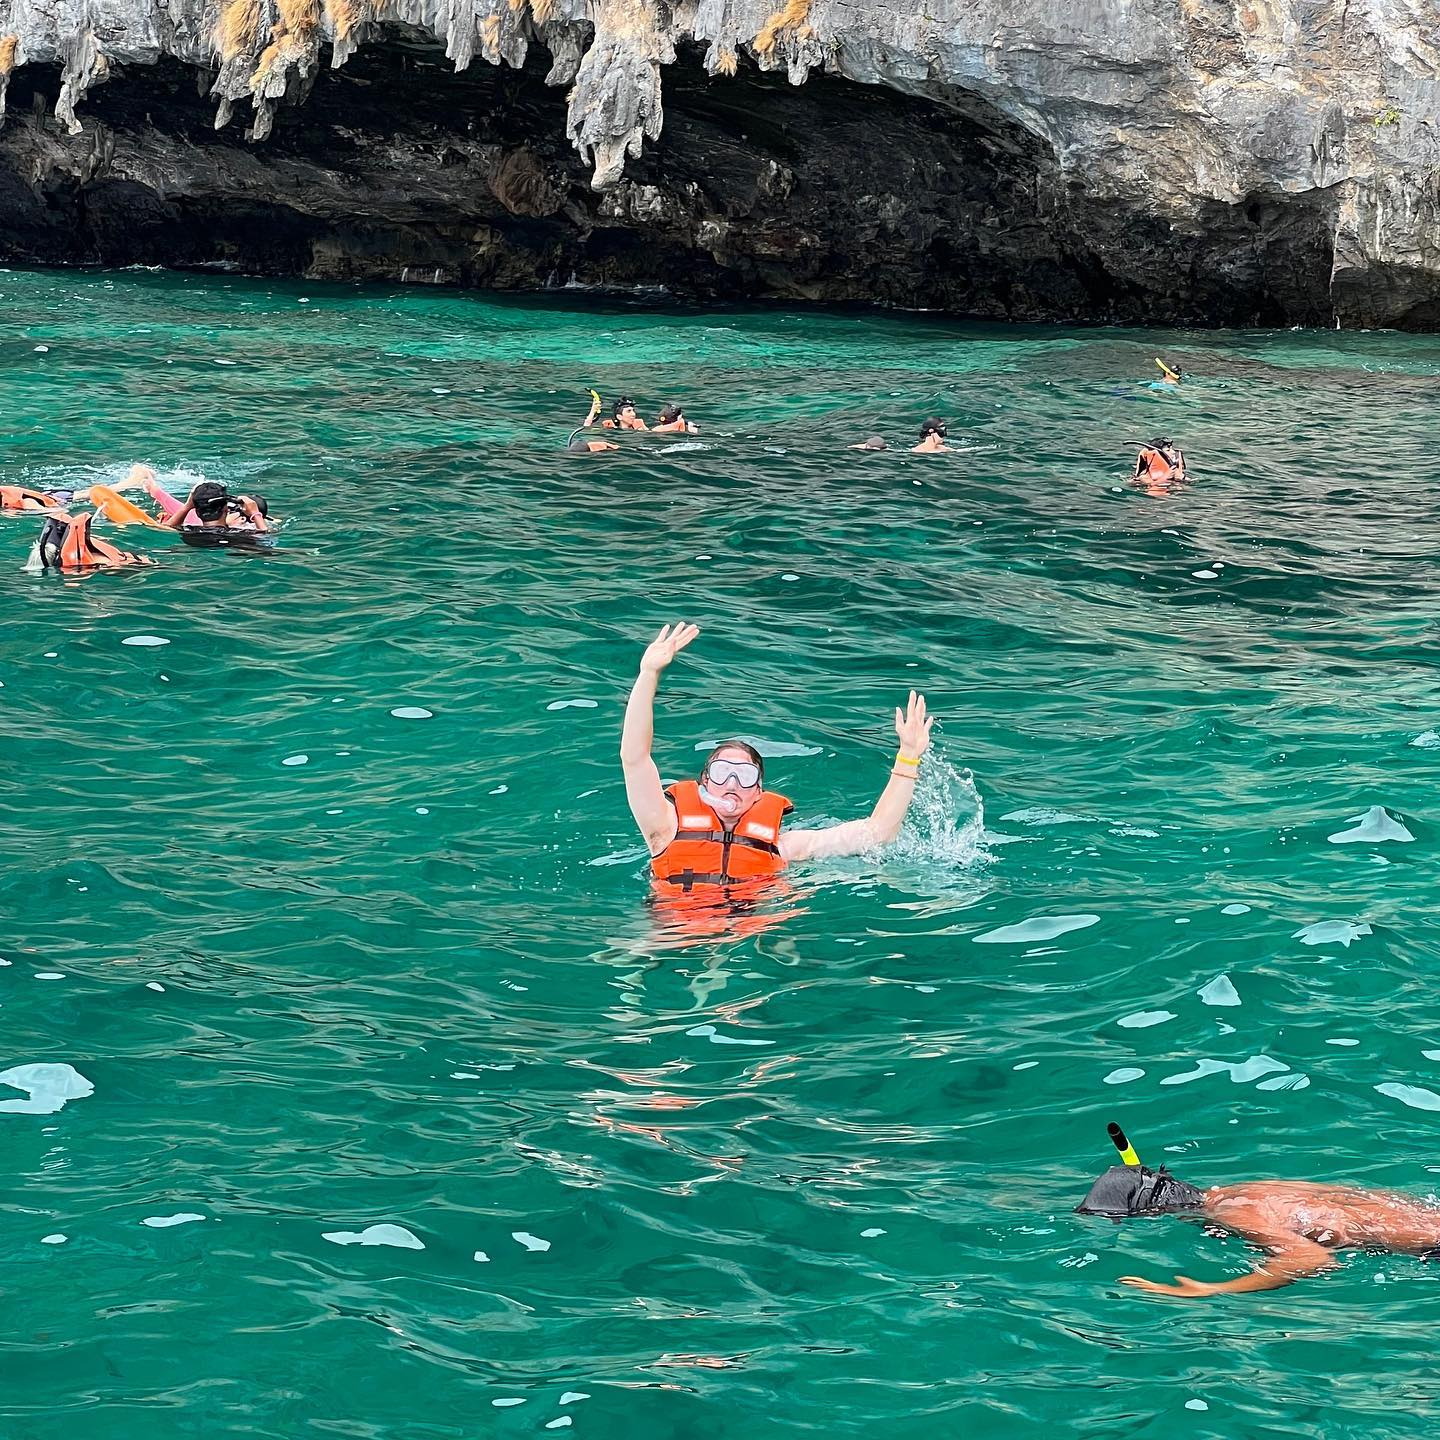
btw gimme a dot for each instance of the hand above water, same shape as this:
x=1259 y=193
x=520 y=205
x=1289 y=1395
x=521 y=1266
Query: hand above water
x=913 y=727
x=671 y=640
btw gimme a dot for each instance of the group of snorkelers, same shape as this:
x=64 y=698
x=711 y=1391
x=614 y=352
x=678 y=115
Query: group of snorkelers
x=1160 y=463
x=719 y=840
x=210 y=514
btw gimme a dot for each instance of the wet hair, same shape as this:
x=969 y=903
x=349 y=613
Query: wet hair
x=579 y=446
x=623 y=403
x=1162 y=442
x=209 y=500
x=934 y=427
x=875 y=442
x=750 y=750
x=670 y=414
x=260 y=503
x=1125 y=1190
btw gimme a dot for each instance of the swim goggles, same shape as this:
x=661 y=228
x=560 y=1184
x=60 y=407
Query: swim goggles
x=745 y=773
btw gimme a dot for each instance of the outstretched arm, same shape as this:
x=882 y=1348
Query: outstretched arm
x=177 y=520
x=1292 y=1257
x=653 y=813
x=594 y=408
x=883 y=823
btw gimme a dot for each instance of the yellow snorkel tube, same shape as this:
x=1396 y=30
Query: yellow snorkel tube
x=1126 y=1149
x=1168 y=372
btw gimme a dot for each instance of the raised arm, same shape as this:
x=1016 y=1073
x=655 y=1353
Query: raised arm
x=595 y=403
x=177 y=520
x=882 y=825
x=653 y=813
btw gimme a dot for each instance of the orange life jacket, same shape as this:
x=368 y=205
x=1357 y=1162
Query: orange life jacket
x=704 y=852
x=15 y=497
x=1155 y=467
x=67 y=544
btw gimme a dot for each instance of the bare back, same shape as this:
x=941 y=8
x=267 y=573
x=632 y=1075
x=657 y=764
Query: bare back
x=1335 y=1216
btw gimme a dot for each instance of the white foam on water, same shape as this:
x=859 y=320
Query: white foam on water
x=1220 y=991
x=1045 y=815
x=155 y=985
x=1135 y=830
x=53 y=1239
x=1430 y=740
x=411 y=712
x=1078 y=1262
x=1037 y=928
x=421 y=810
x=1415 y=1096
x=572 y=705
x=145 y=640
x=394 y=1235
x=481 y=1258
x=1204 y=575
x=48 y=1088
x=1123 y=1076
x=1332 y=932
x=1236 y=909
x=533 y=1243
x=561 y=1423
x=508 y=1401
x=165 y=1222
x=1285 y=1082
x=710 y=1033
x=1144 y=1019
x=1374 y=827
x=51 y=974
x=1346 y=1040
x=925 y=989
x=1025 y=1065
x=296 y=760
x=871 y=1233
x=1241 y=1072
x=1196 y=1405
x=501 y=790
x=573 y=1397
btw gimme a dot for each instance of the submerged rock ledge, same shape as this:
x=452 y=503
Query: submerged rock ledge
x=1206 y=161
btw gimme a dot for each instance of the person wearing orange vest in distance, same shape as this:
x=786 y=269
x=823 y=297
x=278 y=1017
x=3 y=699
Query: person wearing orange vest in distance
x=624 y=416
x=1160 y=462
x=20 y=497
x=726 y=826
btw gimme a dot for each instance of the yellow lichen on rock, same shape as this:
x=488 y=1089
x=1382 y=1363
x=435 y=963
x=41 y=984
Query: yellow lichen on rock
x=8 y=46
x=794 y=15
x=725 y=63
x=344 y=16
x=238 y=27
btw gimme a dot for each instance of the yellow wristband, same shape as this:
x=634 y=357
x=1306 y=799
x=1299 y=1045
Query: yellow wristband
x=906 y=760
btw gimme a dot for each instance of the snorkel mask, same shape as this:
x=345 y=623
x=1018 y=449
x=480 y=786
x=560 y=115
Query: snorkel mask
x=1131 y=1188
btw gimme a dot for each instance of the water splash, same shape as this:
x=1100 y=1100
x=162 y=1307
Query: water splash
x=946 y=824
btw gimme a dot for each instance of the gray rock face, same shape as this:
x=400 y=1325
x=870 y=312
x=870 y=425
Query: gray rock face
x=1242 y=161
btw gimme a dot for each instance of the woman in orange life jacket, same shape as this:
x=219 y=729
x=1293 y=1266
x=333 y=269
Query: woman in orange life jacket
x=726 y=826
x=1159 y=463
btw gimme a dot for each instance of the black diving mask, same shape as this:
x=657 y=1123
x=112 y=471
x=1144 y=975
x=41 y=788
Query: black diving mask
x=1125 y=1190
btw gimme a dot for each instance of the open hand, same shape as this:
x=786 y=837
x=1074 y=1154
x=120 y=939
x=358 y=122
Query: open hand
x=671 y=640
x=1183 y=1285
x=913 y=727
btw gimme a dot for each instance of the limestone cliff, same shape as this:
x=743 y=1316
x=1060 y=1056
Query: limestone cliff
x=1240 y=161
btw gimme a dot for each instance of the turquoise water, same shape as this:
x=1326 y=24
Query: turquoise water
x=327 y=967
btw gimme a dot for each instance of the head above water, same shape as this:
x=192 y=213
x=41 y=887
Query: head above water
x=934 y=427
x=733 y=779
x=1126 y=1190
x=670 y=414
x=210 y=500
x=624 y=408
x=874 y=442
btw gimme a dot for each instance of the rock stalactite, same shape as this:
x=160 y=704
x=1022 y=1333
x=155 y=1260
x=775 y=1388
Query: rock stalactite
x=1233 y=161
